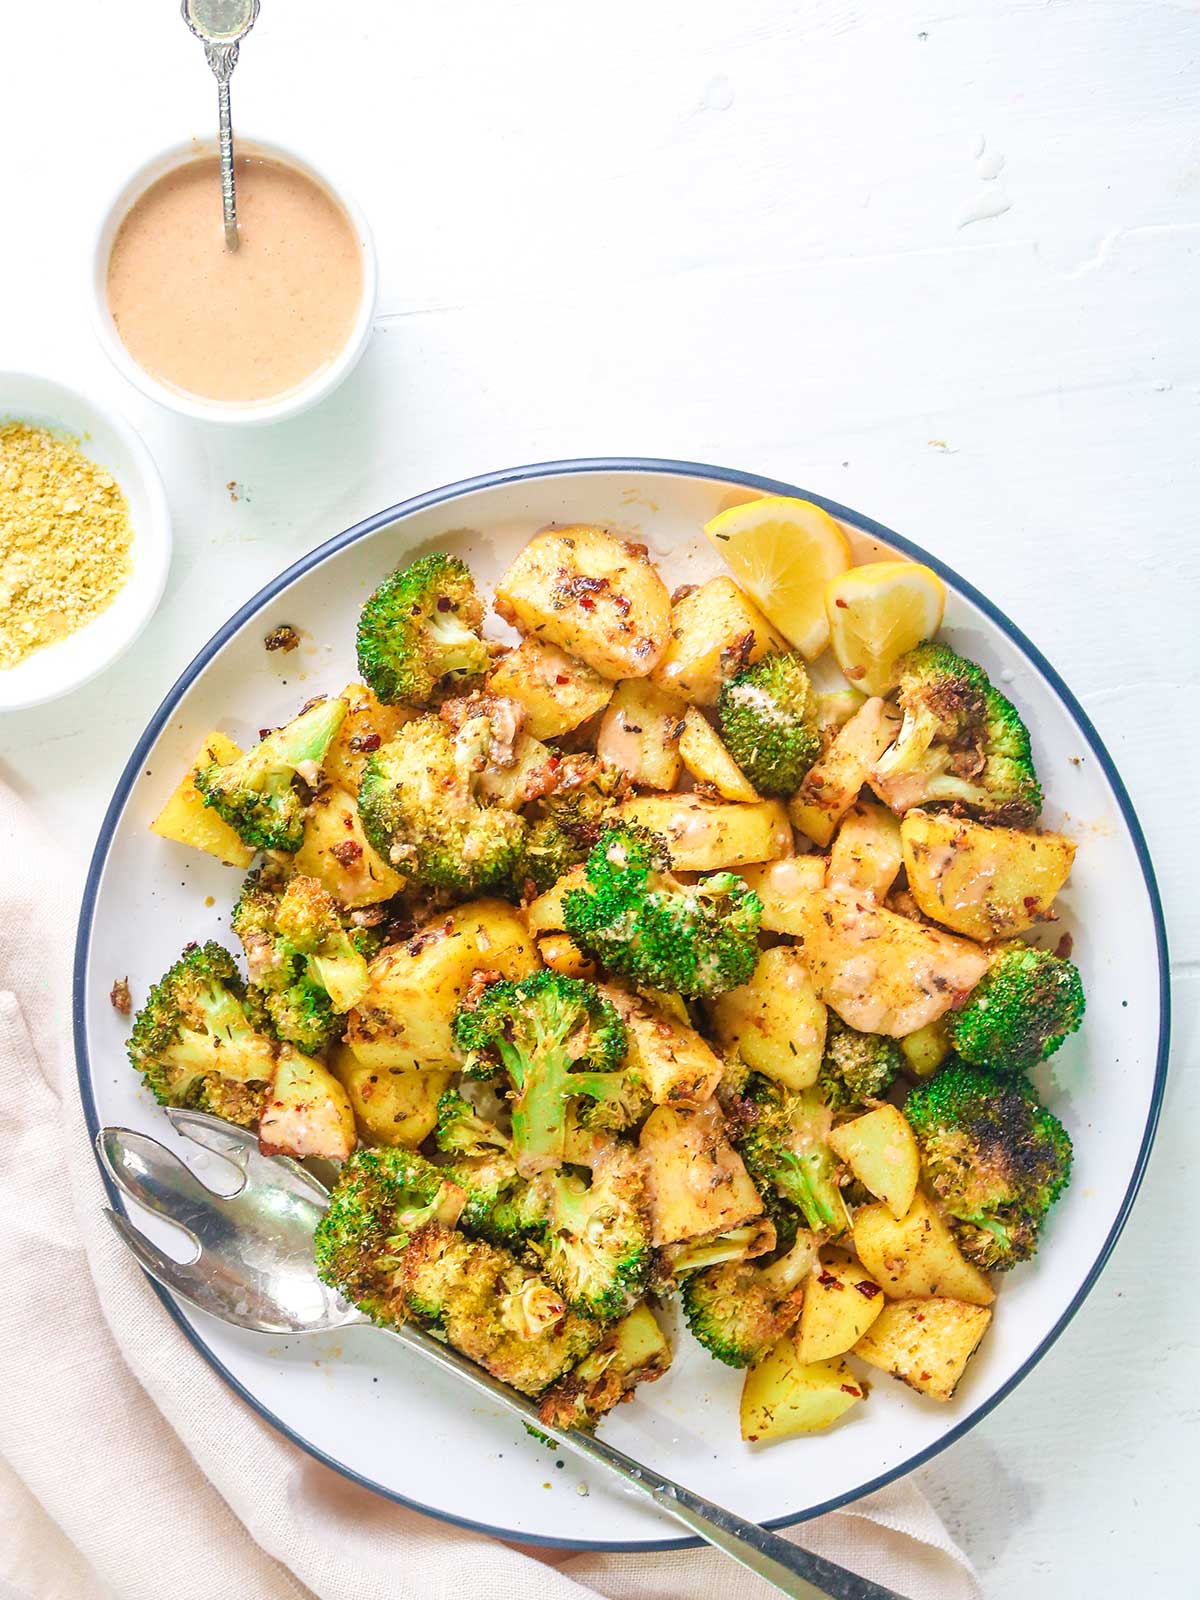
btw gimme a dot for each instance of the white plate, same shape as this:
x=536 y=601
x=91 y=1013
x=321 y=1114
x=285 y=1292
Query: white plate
x=373 y=1411
x=107 y=438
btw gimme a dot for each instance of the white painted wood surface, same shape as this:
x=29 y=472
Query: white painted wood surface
x=936 y=261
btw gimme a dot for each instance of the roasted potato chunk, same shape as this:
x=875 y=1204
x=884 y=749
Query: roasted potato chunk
x=866 y=853
x=916 y=1256
x=783 y=887
x=595 y=596
x=185 y=818
x=306 y=1112
x=559 y=950
x=833 y=782
x=926 y=1049
x=882 y=973
x=715 y=632
x=557 y=691
x=775 y=1021
x=925 y=1343
x=983 y=881
x=673 y=1062
x=706 y=834
x=881 y=1152
x=639 y=734
x=335 y=852
x=708 y=761
x=391 y=1106
x=698 y=1184
x=783 y=1395
x=366 y=725
x=840 y=1304
x=545 y=914
x=404 y=1018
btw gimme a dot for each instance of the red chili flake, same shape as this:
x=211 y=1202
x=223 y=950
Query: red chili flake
x=827 y=1280
x=925 y=1376
x=263 y=732
x=347 y=821
x=815 y=781
x=849 y=1388
x=920 y=1316
x=365 y=741
x=349 y=850
x=443 y=604
x=867 y=1289
x=622 y=603
x=561 y=677
x=1030 y=902
x=855 y=673
x=843 y=605
x=586 y=603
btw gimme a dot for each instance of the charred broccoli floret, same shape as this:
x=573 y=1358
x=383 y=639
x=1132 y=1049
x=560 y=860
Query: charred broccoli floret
x=482 y=1163
x=306 y=969
x=422 y=812
x=594 y=1238
x=781 y=1136
x=768 y=716
x=418 y=634
x=856 y=1067
x=960 y=742
x=389 y=1244
x=739 y=1310
x=566 y=825
x=1019 y=1013
x=555 y=1039
x=194 y=1044
x=256 y=794
x=638 y=920
x=994 y=1156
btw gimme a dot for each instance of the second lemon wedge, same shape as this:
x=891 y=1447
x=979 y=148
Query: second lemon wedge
x=877 y=612
x=783 y=552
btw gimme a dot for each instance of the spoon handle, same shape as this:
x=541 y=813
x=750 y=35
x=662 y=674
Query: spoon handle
x=222 y=58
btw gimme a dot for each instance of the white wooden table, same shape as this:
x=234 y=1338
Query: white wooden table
x=939 y=262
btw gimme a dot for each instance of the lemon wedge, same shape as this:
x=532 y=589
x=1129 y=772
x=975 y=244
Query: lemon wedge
x=878 y=611
x=783 y=552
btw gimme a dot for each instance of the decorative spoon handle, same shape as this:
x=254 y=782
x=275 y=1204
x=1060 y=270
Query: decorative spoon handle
x=222 y=58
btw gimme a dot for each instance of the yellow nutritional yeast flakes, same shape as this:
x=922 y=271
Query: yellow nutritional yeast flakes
x=64 y=539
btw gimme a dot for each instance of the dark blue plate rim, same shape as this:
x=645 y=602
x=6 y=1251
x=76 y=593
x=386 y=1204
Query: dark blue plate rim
x=683 y=469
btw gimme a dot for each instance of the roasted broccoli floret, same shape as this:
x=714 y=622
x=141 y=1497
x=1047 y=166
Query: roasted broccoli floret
x=306 y=969
x=739 y=1310
x=194 y=1043
x=961 y=742
x=1019 y=1013
x=633 y=1351
x=566 y=825
x=555 y=1039
x=389 y=1244
x=483 y=1164
x=781 y=1136
x=256 y=794
x=856 y=1067
x=422 y=813
x=994 y=1156
x=638 y=920
x=738 y=1244
x=594 y=1238
x=769 y=723
x=418 y=634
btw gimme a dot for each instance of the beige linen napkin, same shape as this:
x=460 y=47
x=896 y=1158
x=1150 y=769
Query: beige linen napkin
x=127 y=1469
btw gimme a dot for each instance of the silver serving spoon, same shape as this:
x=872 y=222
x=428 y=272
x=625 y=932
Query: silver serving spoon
x=223 y=24
x=253 y=1267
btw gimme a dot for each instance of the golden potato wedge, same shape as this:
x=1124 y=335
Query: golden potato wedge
x=775 y=1021
x=866 y=851
x=783 y=1395
x=336 y=852
x=833 y=782
x=595 y=596
x=404 y=1018
x=881 y=1152
x=559 y=951
x=926 y=1049
x=708 y=761
x=697 y=1182
x=674 y=1063
x=783 y=887
x=639 y=734
x=880 y=972
x=840 y=1304
x=707 y=834
x=557 y=691
x=984 y=881
x=306 y=1112
x=185 y=819
x=916 y=1257
x=391 y=1105
x=715 y=632
x=925 y=1343
x=367 y=724
x=545 y=914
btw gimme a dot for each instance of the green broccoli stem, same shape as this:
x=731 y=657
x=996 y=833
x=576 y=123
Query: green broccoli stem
x=300 y=744
x=340 y=970
x=807 y=1181
x=544 y=1085
x=458 y=645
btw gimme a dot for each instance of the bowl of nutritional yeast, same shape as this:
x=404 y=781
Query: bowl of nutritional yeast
x=85 y=538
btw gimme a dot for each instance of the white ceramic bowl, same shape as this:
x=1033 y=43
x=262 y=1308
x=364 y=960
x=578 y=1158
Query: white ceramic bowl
x=108 y=439
x=372 y=1409
x=275 y=408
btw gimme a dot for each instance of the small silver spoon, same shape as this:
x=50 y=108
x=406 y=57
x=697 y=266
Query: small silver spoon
x=223 y=24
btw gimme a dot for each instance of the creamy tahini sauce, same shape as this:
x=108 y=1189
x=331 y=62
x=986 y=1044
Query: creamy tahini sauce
x=236 y=325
